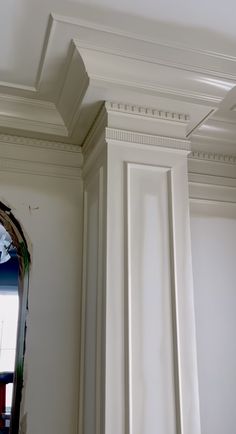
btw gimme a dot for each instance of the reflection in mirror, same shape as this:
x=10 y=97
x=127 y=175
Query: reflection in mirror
x=9 y=308
x=14 y=282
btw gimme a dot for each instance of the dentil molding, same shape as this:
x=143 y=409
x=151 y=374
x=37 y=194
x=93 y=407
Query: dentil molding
x=138 y=125
x=213 y=156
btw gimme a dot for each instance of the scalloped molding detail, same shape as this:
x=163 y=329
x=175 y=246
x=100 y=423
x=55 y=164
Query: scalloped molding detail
x=213 y=156
x=147 y=139
x=145 y=111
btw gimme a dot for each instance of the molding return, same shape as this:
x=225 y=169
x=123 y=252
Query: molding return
x=38 y=157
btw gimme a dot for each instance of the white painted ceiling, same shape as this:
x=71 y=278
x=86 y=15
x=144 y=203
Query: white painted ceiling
x=204 y=25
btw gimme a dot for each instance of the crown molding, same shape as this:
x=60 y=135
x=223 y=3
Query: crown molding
x=83 y=64
x=213 y=156
x=145 y=120
x=203 y=191
x=38 y=157
x=166 y=48
x=212 y=177
x=30 y=114
x=39 y=169
x=38 y=143
x=103 y=63
x=124 y=123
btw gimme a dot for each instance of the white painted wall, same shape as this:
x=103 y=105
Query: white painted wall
x=49 y=210
x=213 y=228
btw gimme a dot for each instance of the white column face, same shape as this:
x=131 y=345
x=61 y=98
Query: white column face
x=140 y=374
x=151 y=372
x=151 y=362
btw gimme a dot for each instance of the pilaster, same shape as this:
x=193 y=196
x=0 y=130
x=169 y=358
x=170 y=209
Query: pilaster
x=139 y=372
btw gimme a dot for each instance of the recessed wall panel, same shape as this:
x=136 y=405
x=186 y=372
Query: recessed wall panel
x=150 y=323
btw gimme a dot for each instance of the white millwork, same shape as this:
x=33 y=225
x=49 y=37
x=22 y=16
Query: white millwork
x=138 y=359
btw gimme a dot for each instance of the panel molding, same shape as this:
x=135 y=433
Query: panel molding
x=173 y=312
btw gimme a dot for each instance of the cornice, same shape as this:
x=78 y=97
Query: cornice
x=157 y=42
x=128 y=123
x=39 y=169
x=212 y=177
x=83 y=64
x=39 y=157
x=31 y=114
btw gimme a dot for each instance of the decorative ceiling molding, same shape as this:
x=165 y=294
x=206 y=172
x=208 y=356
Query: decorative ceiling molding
x=212 y=192
x=30 y=114
x=38 y=143
x=83 y=64
x=113 y=134
x=213 y=156
x=212 y=177
x=38 y=157
x=146 y=120
x=131 y=124
x=145 y=111
x=39 y=169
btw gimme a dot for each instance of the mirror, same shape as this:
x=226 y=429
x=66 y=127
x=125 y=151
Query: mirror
x=14 y=267
x=9 y=308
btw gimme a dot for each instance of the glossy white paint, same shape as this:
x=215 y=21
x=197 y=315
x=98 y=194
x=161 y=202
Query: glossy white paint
x=143 y=369
x=152 y=388
x=73 y=63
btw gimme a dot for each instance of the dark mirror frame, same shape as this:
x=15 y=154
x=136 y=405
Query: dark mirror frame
x=14 y=229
